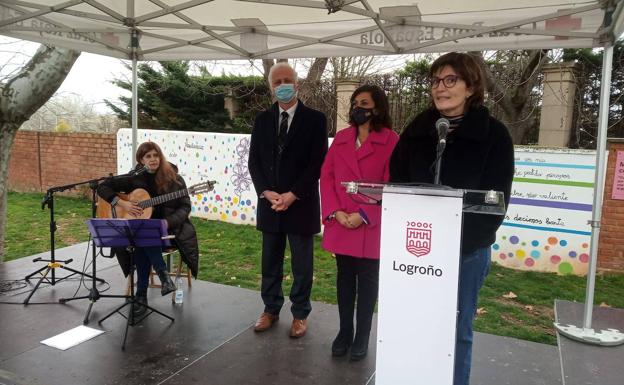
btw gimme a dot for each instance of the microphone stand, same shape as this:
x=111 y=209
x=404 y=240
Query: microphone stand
x=53 y=263
x=438 y=165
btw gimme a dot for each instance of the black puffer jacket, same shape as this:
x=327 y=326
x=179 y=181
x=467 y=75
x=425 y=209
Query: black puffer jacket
x=479 y=155
x=175 y=211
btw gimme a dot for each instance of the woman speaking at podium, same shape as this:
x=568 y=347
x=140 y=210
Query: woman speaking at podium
x=156 y=176
x=479 y=155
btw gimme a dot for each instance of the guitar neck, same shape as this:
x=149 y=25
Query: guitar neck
x=163 y=198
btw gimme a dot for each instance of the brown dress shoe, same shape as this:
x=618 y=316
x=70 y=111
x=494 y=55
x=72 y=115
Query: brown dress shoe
x=265 y=321
x=298 y=328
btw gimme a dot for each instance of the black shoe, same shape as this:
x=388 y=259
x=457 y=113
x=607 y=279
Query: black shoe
x=359 y=349
x=341 y=343
x=138 y=309
x=167 y=285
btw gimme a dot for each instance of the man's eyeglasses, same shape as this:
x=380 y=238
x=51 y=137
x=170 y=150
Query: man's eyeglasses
x=449 y=81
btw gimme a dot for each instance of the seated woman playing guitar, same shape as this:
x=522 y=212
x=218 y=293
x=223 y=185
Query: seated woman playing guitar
x=161 y=178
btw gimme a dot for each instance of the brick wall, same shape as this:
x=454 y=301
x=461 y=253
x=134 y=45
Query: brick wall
x=40 y=160
x=611 y=245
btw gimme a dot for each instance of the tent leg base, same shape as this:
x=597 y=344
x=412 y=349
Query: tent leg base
x=609 y=337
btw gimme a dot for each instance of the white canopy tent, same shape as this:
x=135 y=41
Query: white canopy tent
x=247 y=29
x=253 y=29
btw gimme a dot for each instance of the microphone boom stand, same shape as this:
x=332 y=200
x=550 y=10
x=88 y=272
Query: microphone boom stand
x=438 y=165
x=53 y=263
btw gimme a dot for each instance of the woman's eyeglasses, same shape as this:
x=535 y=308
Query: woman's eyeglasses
x=449 y=81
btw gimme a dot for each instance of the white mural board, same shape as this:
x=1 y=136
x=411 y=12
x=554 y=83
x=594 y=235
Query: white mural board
x=203 y=156
x=545 y=228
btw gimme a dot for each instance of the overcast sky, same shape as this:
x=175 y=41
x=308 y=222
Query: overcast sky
x=89 y=77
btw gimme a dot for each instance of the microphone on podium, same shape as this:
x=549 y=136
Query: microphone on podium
x=442 y=126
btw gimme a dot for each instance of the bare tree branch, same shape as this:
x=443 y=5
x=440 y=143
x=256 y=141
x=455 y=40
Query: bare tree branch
x=20 y=97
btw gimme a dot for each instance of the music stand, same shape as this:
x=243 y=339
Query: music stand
x=131 y=234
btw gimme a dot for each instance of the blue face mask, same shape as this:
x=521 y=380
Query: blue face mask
x=285 y=92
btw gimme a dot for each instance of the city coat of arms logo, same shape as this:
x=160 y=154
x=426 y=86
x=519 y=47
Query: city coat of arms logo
x=418 y=238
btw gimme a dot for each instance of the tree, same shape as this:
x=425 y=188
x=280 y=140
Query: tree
x=173 y=99
x=80 y=115
x=177 y=97
x=513 y=79
x=587 y=101
x=21 y=94
x=352 y=67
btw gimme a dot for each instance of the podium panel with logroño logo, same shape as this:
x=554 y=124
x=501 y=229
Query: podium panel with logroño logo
x=418 y=280
x=421 y=227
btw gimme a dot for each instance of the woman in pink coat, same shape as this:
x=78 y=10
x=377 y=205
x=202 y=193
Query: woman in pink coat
x=360 y=152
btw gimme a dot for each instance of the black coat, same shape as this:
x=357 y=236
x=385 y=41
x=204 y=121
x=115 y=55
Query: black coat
x=297 y=170
x=175 y=211
x=479 y=155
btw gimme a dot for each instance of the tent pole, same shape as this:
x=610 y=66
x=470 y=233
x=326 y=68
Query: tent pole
x=586 y=333
x=135 y=98
x=603 y=125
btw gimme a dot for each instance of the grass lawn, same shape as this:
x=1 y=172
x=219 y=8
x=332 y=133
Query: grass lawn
x=230 y=254
x=28 y=226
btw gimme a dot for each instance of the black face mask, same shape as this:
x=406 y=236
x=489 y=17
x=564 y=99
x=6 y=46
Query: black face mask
x=361 y=115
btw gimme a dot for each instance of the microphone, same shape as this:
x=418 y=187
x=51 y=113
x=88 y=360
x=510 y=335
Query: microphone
x=140 y=171
x=442 y=126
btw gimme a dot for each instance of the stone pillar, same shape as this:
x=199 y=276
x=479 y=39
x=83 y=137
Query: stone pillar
x=557 y=104
x=230 y=103
x=344 y=90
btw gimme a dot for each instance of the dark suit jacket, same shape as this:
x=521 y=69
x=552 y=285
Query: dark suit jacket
x=297 y=170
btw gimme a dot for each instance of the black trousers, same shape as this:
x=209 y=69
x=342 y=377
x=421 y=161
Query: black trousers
x=301 y=248
x=357 y=277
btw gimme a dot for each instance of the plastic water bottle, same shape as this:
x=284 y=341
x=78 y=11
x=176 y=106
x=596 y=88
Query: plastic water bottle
x=179 y=293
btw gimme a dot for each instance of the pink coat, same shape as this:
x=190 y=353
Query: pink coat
x=344 y=163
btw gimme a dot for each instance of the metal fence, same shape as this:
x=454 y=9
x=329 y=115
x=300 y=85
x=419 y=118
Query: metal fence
x=72 y=123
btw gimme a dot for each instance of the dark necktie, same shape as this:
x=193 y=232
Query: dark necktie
x=283 y=131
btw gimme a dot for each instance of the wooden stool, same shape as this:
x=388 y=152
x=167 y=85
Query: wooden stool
x=167 y=256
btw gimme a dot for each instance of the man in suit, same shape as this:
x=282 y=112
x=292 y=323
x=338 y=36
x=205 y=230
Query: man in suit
x=288 y=145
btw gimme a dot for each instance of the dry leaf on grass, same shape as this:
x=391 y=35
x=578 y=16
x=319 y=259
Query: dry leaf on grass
x=481 y=311
x=528 y=307
x=510 y=295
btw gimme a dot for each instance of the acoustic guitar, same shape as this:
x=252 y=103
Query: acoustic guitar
x=143 y=199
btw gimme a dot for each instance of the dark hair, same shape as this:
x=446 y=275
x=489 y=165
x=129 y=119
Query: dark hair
x=381 y=116
x=468 y=69
x=165 y=175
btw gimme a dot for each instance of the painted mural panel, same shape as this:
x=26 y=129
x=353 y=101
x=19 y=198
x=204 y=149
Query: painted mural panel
x=545 y=228
x=202 y=156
